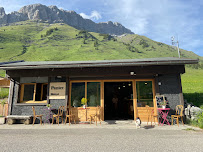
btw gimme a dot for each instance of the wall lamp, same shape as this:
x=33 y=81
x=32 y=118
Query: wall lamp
x=132 y=73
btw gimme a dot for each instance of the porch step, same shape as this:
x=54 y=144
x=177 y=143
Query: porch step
x=106 y=122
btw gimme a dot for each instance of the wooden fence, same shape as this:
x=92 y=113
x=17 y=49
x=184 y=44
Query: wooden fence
x=4 y=111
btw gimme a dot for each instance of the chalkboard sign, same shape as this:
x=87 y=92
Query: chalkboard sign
x=160 y=99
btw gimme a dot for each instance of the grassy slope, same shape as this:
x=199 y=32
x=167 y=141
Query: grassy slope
x=192 y=85
x=66 y=44
x=24 y=42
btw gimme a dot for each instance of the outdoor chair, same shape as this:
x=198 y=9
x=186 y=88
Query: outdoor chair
x=60 y=114
x=179 y=114
x=96 y=116
x=69 y=115
x=35 y=116
x=151 y=114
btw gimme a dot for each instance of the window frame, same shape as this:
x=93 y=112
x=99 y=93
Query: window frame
x=84 y=81
x=22 y=87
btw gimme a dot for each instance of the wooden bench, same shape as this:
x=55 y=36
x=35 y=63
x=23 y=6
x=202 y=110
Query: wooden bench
x=11 y=119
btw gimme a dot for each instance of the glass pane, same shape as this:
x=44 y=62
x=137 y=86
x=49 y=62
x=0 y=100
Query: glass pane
x=144 y=93
x=93 y=94
x=38 y=92
x=28 y=92
x=44 y=96
x=77 y=93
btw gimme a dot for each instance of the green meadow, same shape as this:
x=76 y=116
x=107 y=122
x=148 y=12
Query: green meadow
x=192 y=86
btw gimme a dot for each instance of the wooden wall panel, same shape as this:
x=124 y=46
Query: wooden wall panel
x=84 y=114
x=142 y=113
x=4 y=110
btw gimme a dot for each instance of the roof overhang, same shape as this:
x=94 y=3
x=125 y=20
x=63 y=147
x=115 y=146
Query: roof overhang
x=102 y=63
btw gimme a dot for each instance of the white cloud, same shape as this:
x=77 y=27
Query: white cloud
x=93 y=16
x=159 y=20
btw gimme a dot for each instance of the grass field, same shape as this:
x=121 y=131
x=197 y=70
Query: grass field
x=192 y=86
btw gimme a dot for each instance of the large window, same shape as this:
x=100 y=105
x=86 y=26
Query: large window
x=88 y=90
x=144 y=93
x=33 y=92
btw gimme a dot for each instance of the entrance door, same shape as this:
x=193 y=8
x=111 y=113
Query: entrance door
x=118 y=101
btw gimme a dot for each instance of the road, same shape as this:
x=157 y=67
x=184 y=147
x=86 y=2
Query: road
x=100 y=139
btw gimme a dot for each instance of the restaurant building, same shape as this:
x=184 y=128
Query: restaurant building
x=121 y=87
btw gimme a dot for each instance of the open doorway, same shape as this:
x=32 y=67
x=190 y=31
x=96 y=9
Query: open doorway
x=118 y=101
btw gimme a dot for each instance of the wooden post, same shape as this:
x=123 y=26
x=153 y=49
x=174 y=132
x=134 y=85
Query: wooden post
x=154 y=98
x=102 y=100
x=135 y=100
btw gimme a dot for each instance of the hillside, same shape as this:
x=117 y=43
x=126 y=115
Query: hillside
x=41 y=41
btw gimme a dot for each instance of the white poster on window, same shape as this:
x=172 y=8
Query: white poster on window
x=57 y=90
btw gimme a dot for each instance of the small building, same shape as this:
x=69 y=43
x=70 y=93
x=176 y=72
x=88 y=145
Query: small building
x=122 y=88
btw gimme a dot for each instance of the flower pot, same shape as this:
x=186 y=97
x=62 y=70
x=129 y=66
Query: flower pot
x=84 y=106
x=163 y=107
x=2 y=120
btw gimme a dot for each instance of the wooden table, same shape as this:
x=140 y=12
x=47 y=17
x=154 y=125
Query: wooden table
x=164 y=113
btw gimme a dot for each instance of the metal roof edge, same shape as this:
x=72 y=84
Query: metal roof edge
x=103 y=63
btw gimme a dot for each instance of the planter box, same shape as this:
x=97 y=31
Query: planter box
x=2 y=120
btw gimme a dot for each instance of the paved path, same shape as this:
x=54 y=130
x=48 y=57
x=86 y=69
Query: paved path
x=108 y=138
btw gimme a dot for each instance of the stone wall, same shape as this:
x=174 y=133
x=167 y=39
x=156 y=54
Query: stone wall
x=170 y=89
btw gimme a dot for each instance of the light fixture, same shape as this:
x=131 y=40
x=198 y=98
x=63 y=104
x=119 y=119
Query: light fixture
x=129 y=84
x=119 y=88
x=123 y=86
x=132 y=73
x=59 y=77
x=145 y=83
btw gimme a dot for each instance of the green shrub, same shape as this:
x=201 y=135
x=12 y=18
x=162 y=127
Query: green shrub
x=143 y=43
x=4 y=93
x=48 y=32
x=200 y=120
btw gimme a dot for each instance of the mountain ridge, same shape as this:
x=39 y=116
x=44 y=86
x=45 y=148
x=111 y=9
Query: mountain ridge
x=52 y=14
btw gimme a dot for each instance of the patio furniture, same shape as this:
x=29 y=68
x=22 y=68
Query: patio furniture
x=96 y=115
x=151 y=114
x=179 y=114
x=11 y=119
x=163 y=115
x=69 y=115
x=35 y=116
x=48 y=114
x=57 y=116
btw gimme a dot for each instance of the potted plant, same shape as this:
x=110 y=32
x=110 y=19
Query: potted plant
x=48 y=106
x=2 y=117
x=84 y=102
x=163 y=104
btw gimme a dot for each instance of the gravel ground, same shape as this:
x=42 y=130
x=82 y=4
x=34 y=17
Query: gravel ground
x=22 y=138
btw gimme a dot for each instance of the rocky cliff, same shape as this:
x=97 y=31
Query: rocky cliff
x=54 y=15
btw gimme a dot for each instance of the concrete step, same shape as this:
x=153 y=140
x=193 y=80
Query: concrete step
x=106 y=122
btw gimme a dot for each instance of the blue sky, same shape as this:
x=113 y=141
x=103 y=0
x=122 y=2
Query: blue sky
x=155 y=19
